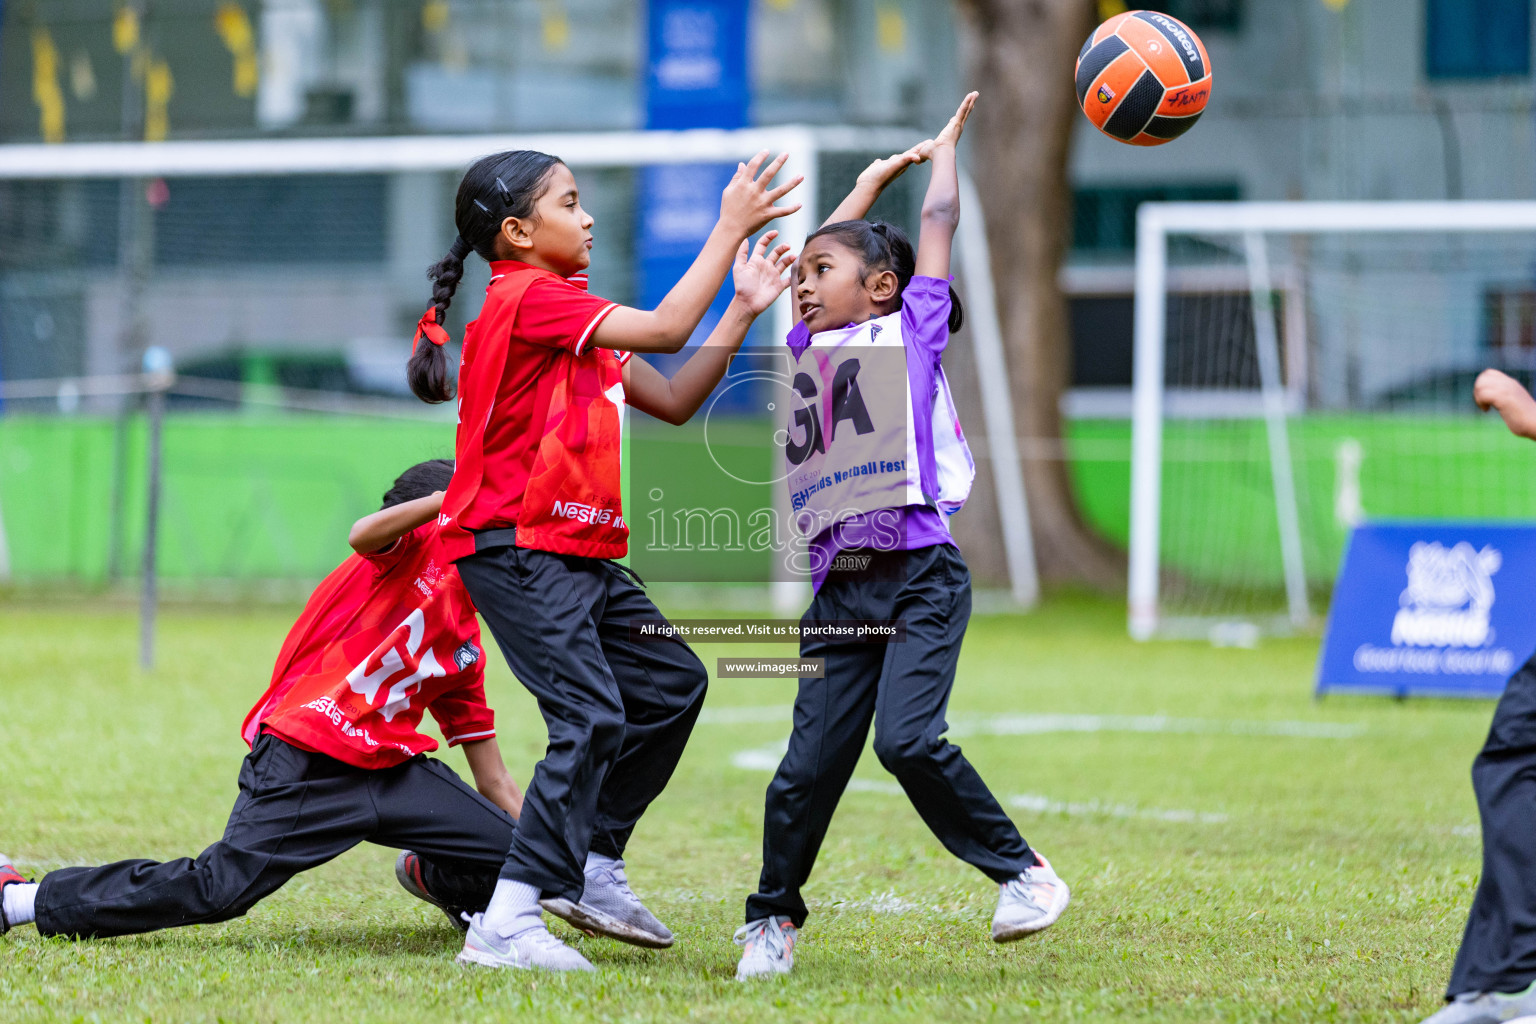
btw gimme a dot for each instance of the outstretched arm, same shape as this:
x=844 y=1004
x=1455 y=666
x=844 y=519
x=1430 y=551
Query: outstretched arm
x=384 y=527
x=871 y=182
x=759 y=278
x=745 y=207
x=941 y=206
x=492 y=779
x=1495 y=390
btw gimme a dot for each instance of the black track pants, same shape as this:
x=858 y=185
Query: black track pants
x=619 y=712
x=904 y=688
x=1498 y=951
x=296 y=810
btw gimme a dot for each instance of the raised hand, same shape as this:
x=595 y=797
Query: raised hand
x=882 y=172
x=747 y=203
x=759 y=275
x=950 y=136
x=1496 y=390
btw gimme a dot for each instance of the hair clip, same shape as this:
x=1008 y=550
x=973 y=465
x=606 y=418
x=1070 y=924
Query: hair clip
x=483 y=208
x=506 y=193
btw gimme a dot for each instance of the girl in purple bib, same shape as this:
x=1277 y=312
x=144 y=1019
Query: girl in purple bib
x=876 y=464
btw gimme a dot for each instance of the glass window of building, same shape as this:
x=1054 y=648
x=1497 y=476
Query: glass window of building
x=1201 y=15
x=1477 y=38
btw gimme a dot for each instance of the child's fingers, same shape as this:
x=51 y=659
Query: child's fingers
x=755 y=163
x=761 y=248
x=741 y=251
x=771 y=169
x=774 y=195
x=784 y=211
x=964 y=112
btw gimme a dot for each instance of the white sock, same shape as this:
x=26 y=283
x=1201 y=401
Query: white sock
x=514 y=908
x=20 y=903
x=598 y=862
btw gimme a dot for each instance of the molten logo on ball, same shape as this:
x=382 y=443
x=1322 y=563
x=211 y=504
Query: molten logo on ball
x=1143 y=78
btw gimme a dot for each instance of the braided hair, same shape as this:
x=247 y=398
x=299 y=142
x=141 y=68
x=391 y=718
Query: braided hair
x=498 y=186
x=881 y=246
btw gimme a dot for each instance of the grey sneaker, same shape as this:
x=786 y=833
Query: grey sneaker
x=1029 y=903
x=768 y=948
x=1486 y=1007
x=609 y=907
x=408 y=874
x=530 y=949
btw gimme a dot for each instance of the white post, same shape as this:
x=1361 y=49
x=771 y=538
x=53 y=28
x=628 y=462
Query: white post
x=790 y=593
x=1147 y=421
x=1273 y=388
x=5 y=554
x=996 y=399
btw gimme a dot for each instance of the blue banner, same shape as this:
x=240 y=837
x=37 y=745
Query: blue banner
x=696 y=67
x=696 y=77
x=1434 y=607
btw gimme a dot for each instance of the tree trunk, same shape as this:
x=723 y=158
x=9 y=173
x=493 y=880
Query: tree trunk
x=1020 y=54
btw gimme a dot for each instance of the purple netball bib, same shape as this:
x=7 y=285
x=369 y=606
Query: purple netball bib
x=850 y=446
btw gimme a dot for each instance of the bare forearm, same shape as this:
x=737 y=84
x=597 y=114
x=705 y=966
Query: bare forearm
x=856 y=204
x=1520 y=417
x=675 y=400
x=685 y=305
x=668 y=327
x=504 y=794
x=492 y=779
x=940 y=216
x=941 y=204
x=386 y=526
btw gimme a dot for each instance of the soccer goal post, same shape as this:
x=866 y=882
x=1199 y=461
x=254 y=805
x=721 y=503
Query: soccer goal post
x=1299 y=367
x=210 y=293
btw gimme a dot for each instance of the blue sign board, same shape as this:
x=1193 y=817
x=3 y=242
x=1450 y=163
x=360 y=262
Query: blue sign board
x=696 y=77
x=1431 y=607
x=696 y=71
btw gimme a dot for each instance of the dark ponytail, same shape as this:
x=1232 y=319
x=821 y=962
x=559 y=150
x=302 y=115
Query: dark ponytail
x=881 y=246
x=496 y=187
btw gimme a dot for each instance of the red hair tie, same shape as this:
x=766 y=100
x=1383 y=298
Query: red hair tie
x=429 y=328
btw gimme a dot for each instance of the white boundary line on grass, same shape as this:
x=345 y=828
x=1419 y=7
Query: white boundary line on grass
x=1040 y=724
x=767 y=758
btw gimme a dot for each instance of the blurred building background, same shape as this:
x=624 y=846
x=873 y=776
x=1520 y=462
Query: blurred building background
x=1314 y=99
x=315 y=281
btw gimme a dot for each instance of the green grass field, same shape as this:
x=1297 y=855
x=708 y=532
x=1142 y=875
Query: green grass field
x=1248 y=855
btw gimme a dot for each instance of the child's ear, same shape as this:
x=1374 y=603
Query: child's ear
x=517 y=234
x=882 y=285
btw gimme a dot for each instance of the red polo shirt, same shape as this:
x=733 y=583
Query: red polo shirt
x=384 y=637
x=540 y=419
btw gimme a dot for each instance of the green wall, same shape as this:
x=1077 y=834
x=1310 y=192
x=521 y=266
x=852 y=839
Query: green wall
x=271 y=497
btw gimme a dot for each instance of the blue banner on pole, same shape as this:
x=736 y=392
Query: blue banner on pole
x=696 y=74
x=1434 y=608
x=696 y=77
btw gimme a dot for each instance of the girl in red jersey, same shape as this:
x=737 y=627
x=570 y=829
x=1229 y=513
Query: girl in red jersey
x=336 y=756
x=533 y=517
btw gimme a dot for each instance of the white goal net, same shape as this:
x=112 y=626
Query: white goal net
x=285 y=278
x=1303 y=367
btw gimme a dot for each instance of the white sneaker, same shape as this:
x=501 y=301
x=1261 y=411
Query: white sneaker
x=530 y=949
x=1487 y=1008
x=769 y=948
x=1029 y=903
x=610 y=907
